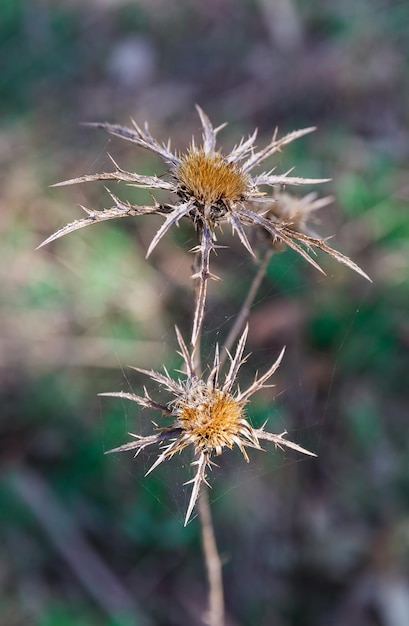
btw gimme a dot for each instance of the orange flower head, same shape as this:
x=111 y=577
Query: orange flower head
x=210 y=178
x=211 y=417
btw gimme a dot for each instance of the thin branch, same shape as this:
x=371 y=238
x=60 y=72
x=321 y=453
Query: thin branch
x=245 y=309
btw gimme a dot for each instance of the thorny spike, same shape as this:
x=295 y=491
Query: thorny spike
x=210 y=276
x=321 y=245
x=146 y=441
x=209 y=136
x=240 y=151
x=168 y=382
x=236 y=362
x=279 y=441
x=142 y=401
x=278 y=233
x=283 y=179
x=197 y=481
x=214 y=374
x=126 y=206
x=97 y=216
x=121 y=175
x=141 y=137
x=90 y=212
x=166 y=454
x=209 y=133
x=238 y=227
x=172 y=218
x=274 y=146
x=259 y=382
x=185 y=354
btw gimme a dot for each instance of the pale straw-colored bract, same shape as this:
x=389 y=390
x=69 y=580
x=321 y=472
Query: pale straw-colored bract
x=211 y=188
x=297 y=211
x=207 y=414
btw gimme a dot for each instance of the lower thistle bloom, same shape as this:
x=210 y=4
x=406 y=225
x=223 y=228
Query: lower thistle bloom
x=207 y=414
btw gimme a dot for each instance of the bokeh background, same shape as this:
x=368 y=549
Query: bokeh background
x=85 y=539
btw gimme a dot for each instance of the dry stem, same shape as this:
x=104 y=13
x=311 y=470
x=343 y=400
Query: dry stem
x=196 y=354
x=211 y=555
x=245 y=309
x=213 y=563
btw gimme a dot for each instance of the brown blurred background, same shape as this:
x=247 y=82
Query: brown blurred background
x=85 y=539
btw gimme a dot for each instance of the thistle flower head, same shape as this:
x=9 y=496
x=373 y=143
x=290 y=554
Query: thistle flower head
x=207 y=415
x=211 y=180
x=296 y=211
x=291 y=215
x=209 y=187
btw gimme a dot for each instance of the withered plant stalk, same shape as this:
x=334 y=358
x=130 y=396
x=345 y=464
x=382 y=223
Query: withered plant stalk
x=207 y=407
x=244 y=313
x=213 y=562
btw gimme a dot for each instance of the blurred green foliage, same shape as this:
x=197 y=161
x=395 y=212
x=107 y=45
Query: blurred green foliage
x=76 y=314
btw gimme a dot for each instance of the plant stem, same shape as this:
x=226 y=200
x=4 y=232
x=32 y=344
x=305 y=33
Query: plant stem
x=210 y=553
x=213 y=563
x=196 y=347
x=245 y=309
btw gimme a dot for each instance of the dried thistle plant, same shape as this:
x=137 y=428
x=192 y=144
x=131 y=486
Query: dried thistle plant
x=211 y=188
x=208 y=415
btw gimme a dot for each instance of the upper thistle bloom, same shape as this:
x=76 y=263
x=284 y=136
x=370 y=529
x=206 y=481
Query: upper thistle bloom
x=210 y=188
x=207 y=414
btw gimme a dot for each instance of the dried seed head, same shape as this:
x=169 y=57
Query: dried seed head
x=209 y=179
x=296 y=211
x=211 y=418
x=290 y=215
x=208 y=415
